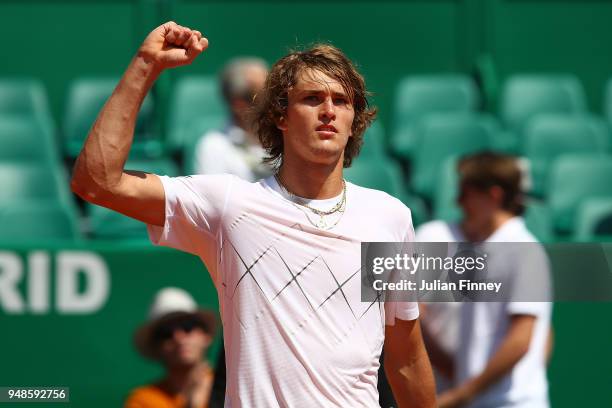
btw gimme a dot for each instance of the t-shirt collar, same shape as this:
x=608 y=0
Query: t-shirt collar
x=273 y=185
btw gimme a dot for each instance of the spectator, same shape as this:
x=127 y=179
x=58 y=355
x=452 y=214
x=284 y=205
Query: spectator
x=177 y=335
x=506 y=368
x=236 y=149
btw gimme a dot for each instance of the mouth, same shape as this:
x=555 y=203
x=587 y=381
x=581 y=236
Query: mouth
x=326 y=130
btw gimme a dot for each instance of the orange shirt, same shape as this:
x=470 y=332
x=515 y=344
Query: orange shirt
x=152 y=396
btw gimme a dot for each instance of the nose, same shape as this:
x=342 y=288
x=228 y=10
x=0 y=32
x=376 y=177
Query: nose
x=327 y=112
x=178 y=334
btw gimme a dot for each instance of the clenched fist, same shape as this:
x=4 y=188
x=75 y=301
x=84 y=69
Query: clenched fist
x=171 y=45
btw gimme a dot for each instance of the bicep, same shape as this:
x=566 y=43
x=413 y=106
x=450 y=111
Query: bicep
x=138 y=195
x=521 y=328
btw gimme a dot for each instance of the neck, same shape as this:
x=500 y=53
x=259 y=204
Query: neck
x=311 y=180
x=480 y=231
x=181 y=379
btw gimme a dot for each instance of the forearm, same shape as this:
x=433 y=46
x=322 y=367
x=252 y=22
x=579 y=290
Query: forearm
x=503 y=361
x=440 y=358
x=513 y=347
x=99 y=167
x=412 y=383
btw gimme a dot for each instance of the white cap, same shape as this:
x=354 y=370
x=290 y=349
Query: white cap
x=171 y=300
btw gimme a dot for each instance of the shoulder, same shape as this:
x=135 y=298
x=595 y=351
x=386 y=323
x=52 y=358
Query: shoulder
x=213 y=139
x=224 y=179
x=202 y=186
x=382 y=212
x=513 y=230
x=145 y=397
x=199 y=181
x=384 y=203
x=434 y=231
x=214 y=135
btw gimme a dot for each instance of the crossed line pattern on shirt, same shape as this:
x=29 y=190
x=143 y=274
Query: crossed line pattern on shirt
x=294 y=276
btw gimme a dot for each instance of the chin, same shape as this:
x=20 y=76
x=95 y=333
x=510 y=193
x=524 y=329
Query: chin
x=327 y=160
x=326 y=154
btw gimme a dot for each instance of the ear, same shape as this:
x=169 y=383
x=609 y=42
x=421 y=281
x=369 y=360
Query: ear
x=497 y=193
x=208 y=339
x=281 y=123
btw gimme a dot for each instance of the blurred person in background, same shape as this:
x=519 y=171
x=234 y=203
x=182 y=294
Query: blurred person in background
x=236 y=149
x=304 y=342
x=488 y=354
x=177 y=335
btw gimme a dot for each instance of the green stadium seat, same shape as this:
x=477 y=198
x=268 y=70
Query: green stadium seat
x=193 y=97
x=573 y=179
x=193 y=135
x=161 y=166
x=37 y=221
x=446 y=135
x=386 y=176
x=24 y=140
x=419 y=96
x=549 y=136
x=373 y=143
x=538 y=221
x=24 y=97
x=33 y=181
x=444 y=203
x=594 y=220
x=106 y=224
x=86 y=97
x=525 y=96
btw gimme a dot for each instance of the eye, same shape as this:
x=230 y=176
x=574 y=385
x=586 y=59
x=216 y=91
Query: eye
x=311 y=98
x=340 y=101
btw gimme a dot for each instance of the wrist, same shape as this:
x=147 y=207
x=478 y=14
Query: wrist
x=146 y=66
x=467 y=391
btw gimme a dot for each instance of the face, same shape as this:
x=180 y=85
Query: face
x=479 y=205
x=182 y=342
x=255 y=76
x=318 y=121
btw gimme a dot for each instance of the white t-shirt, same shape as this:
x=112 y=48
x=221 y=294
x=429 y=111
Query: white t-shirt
x=296 y=332
x=442 y=318
x=483 y=325
x=230 y=152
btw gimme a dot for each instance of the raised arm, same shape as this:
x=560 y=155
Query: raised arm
x=98 y=175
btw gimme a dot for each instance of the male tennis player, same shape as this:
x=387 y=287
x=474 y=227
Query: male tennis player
x=284 y=252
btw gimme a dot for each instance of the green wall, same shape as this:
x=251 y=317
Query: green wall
x=90 y=350
x=59 y=40
x=553 y=36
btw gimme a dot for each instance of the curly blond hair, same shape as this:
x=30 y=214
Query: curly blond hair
x=271 y=102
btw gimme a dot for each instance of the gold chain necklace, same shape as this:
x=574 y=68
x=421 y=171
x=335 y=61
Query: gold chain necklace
x=339 y=208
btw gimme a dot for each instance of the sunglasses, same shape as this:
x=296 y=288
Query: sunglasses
x=166 y=331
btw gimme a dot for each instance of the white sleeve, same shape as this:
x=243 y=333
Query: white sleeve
x=531 y=285
x=401 y=311
x=397 y=309
x=194 y=210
